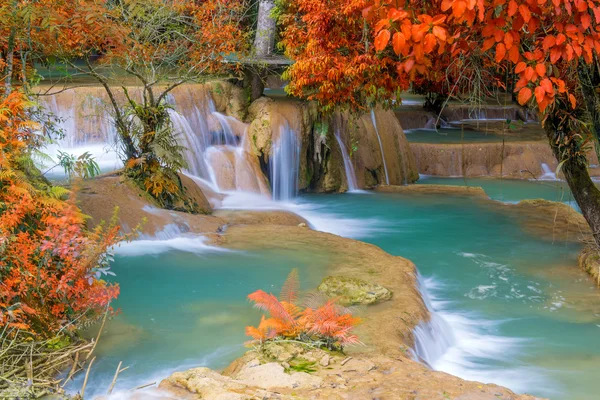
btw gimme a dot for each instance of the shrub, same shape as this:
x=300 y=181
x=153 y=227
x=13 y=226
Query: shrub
x=319 y=321
x=50 y=265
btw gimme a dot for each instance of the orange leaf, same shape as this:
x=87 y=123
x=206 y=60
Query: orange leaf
x=529 y=73
x=573 y=100
x=429 y=43
x=508 y=40
x=514 y=55
x=520 y=67
x=512 y=8
x=540 y=93
x=500 y=52
x=398 y=42
x=458 y=8
x=541 y=70
x=547 y=85
x=439 y=33
x=524 y=96
x=382 y=39
x=525 y=13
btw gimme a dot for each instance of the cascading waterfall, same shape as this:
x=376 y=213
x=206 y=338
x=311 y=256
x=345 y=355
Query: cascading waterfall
x=214 y=144
x=387 y=178
x=348 y=167
x=92 y=132
x=216 y=154
x=433 y=338
x=285 y=164
x=548 y=175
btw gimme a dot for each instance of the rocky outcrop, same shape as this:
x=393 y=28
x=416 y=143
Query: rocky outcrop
x=474 y=191
x=550 y=220
x=589 y=261
x=229 y=99
x=352 y=291
x=321 y=166
x=261 y=375
x=519 y=160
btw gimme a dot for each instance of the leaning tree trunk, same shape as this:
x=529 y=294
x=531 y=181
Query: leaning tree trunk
x=585 y=192
x=264 y=45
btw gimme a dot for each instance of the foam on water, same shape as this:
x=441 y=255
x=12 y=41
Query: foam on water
x=312 y=213
x=172 y=237
x=465 y=345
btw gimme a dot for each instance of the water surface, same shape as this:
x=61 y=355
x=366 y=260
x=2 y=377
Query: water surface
x=521 y=313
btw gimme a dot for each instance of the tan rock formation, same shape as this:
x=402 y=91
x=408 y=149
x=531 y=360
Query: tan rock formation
x=589 y=261
x=550 y=220
x=515 y=160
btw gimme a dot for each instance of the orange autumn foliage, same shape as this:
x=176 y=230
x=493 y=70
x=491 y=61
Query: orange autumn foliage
x=326 y=323
x=47 y=257
x=389 y=45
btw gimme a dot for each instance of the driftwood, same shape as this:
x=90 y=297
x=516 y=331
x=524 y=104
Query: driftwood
x=29 y=368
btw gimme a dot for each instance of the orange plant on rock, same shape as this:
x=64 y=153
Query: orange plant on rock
x=50 y=265
x=325 y=324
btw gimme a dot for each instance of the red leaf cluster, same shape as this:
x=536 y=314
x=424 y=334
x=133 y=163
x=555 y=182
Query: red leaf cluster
x=327 y=323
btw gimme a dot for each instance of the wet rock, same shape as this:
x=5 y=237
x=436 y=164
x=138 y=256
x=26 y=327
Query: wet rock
x=353 y=291
x=550 y=220
x=204 y=383
x=589 y=261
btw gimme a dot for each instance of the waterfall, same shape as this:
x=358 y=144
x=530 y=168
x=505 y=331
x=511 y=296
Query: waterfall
x=433 y=338
x=548 y=175
x=214 y=145
x=285 y=164
x=387 y=178
x=87 y=128
x=349 y=168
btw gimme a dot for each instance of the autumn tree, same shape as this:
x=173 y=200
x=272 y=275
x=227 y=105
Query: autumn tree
x=139 y=51
x=369 y=51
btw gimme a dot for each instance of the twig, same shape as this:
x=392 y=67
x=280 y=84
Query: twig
x=99 y=334
x=143 y=386
x=72 y=372
x=114 y=381
x=85 y=380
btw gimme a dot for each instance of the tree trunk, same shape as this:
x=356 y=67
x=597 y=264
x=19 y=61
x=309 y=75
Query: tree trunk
x=266 y=28
x=254 y=82
x=264 y=45
x=585 y=192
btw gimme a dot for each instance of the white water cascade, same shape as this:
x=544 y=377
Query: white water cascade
x=348 y=167
x=215 y=148
x=387 y=178
x=433 y=338
x=548 y=175
x=285 y=164
x=463 y=344
x=92 y=132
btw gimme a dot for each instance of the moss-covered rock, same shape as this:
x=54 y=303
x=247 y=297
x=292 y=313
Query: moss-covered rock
x=353 y=291
x=589 y=261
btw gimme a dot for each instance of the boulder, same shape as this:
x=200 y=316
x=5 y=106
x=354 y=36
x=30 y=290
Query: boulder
x=353 y=291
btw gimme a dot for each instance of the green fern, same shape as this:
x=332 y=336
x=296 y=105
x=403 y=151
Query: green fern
x=58 y=192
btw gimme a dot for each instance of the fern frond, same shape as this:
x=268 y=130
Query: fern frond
x=267 y=302
x=291 y=287
x=58 y=192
